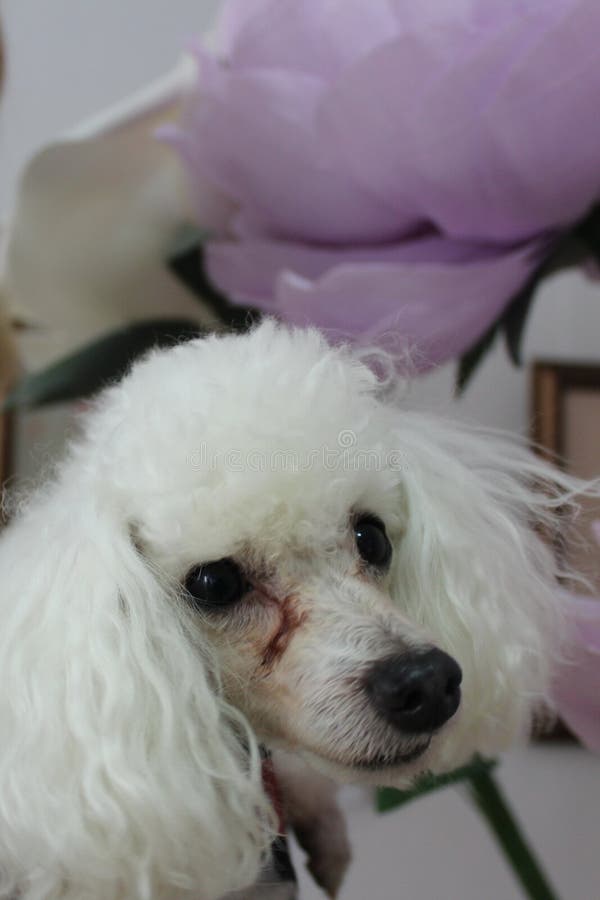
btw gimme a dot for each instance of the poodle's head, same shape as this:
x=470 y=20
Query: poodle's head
x=254 y=544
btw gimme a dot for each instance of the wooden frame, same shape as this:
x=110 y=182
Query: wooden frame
x=551 y=383
x=554 y=385
x=566 y=427
x=7 y=422
x=8 y=374
x=6 y=432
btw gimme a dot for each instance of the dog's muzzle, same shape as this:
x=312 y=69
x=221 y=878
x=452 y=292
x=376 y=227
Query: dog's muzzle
x=417 y=691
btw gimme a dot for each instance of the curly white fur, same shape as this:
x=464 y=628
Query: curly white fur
x=129 y=722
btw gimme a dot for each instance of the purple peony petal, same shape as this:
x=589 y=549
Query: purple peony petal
x=494 y=135
x=315 y=38
x=344 y=131
x=247 y=270
x=278 y=172
x=438 y=296
x=576 y=690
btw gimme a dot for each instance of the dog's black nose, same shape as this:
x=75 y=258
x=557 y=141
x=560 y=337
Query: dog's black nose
x=417 y=691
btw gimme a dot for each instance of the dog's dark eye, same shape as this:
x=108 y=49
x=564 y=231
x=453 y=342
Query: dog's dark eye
x=372 y=541
x=216 y=585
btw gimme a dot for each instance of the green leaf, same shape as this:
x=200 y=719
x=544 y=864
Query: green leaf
x=388 y=799
x=564 y=253
x=588 y=232
x=470 y=361
x=492 y=804
x=95 y=365
x=187 y=237
x=187 y=263
x=515 y=319
x=503 y=825
x=570 y=249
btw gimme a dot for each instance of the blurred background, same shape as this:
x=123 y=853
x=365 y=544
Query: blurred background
x=70 y=67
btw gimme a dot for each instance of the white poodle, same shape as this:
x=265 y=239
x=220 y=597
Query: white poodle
x=253 y=546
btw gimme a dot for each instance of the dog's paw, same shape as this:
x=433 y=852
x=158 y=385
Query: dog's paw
x=313 y=814
x=325 y=842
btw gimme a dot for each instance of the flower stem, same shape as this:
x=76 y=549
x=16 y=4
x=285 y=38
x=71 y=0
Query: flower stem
x=493 y=806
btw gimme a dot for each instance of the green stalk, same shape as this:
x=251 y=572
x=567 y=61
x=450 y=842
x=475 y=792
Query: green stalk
x=493 y=806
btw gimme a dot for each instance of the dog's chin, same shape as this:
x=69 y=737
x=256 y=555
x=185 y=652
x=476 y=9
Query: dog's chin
x=383 y=768
x=384 y=761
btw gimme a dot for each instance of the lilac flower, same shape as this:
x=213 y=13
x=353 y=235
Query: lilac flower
x=577 y=684
x=398 y=168
x=576 y=690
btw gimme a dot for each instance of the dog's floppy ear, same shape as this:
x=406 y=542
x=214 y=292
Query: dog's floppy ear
x=475 y=570
x=122 y=771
